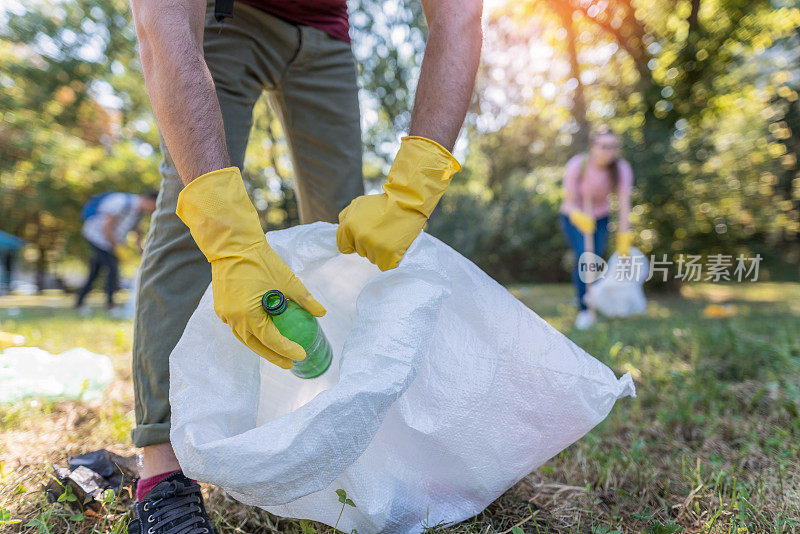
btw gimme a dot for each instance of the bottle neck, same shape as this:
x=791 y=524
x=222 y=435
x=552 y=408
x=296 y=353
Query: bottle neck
x=273 y=302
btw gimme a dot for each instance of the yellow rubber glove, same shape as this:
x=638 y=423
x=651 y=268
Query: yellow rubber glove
x=583 y=222
x=624 y=242
x=225 y=226
x=382 y=227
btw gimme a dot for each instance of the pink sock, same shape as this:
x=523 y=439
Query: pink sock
x=144 y=485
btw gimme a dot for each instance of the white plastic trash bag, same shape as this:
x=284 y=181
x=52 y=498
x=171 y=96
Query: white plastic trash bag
x=444 y=392
x=619 y=292
x=33 y=372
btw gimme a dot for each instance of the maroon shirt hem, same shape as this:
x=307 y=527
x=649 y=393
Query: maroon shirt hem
x=332 y=20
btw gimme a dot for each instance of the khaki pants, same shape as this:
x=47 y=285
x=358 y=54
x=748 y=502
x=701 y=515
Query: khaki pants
x=311 y=79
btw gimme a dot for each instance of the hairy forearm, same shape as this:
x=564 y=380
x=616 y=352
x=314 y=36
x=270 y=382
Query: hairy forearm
x=447 y=76
x=179 y=84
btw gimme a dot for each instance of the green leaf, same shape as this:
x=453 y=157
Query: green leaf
x=76 y=517
x=67 y=496
x=5 y=517
x=517 y=530
x=342 y=495
x=351 y=503
x=644 y=516
x=664 y=528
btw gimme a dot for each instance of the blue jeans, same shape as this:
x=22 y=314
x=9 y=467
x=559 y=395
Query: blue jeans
x=101 y=259
x=575 y=241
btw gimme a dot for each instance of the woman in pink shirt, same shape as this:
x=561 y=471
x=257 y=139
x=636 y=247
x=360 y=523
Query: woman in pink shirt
x=589 y=181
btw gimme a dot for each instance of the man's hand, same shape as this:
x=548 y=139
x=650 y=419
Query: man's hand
x=382 y=227
x=225 y=226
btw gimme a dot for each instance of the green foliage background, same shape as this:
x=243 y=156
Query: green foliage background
x=59 y=61
x=703 y=93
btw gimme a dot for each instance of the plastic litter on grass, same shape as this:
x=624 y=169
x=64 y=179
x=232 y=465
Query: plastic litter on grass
x=33 y=372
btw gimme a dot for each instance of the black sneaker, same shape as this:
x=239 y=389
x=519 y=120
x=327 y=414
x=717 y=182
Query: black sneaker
x=173 y=506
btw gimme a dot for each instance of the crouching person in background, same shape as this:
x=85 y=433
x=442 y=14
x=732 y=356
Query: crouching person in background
x=107 y=220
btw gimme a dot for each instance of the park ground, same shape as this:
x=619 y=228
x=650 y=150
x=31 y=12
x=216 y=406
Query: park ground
x=711 y=443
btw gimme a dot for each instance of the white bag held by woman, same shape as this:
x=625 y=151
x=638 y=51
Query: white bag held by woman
x=619 y=292
x=445 y=391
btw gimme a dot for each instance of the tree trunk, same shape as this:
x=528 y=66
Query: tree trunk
x=581 y=141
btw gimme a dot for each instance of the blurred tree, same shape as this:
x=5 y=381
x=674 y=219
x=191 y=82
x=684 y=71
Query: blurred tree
x=75 y=118
x=699 y=91
x=703 y=92
x=388 y=42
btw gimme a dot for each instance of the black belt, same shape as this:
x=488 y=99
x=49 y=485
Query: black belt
x=223 y=9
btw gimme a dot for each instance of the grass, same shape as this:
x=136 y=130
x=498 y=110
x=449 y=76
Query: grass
x=711 y=444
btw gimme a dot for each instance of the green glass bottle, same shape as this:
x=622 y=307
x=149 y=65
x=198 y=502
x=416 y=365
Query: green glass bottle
x=297 y=324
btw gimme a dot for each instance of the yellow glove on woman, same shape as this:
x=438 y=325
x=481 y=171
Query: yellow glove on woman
x=583 y=222
x=624 y=242
x=382 y=227
x=225 y=226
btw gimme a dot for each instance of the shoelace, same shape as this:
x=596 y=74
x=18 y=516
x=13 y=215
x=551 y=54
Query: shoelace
x=180 y=515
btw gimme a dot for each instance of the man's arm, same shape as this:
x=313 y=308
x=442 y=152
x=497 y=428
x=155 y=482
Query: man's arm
x=447 y=76
x=179 y=84
x=215 y=207
x=109 y=224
